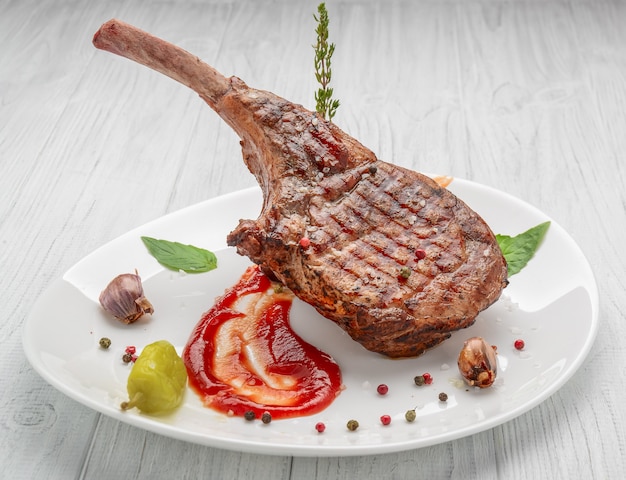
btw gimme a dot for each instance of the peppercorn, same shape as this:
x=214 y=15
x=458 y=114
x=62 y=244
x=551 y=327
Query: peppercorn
x=320 y=427
x=443 y=397
x=305 y=243
x=266 y=417
x=519 y=344
x=385 y=419
x=249 y=415
x=382 y=389
x=131 y=349
x=105 y=342
x=405 y=272
x=419 y=380
x=127 y=358
x=352 y=425
x=410 y=415
x=428 y=379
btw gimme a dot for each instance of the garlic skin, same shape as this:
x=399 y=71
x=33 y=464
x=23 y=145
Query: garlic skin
x=124 y=298
x=477 y=363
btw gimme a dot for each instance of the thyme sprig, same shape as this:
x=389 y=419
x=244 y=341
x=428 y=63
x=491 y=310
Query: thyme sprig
x=325 y=105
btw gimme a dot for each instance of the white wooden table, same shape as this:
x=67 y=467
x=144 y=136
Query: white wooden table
x=528 y=97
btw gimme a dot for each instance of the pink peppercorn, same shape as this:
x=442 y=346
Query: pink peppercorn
x=385 y=419
x=382 y=389
x=320 y=427
x=428 y=379
x=519 y=344
x=131 y=349
x=305 y=242
x=420 y=254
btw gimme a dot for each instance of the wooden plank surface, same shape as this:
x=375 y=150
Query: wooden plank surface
x=525 y=96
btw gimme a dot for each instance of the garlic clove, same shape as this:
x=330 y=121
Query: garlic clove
x=478 y=363
x=124 y=298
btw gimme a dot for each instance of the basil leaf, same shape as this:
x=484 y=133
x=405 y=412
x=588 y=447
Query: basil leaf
x=520 y=249
x=177 y=256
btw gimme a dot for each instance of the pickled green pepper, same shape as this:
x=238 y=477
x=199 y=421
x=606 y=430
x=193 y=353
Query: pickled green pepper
x=156 y=383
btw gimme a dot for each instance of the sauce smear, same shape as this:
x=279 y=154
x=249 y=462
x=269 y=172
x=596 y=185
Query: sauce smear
x=243 y=355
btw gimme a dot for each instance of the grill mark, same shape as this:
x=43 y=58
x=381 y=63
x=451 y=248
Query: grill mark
x=356 y=255
x=355 y=260
x=348 y=259
x=368 y=239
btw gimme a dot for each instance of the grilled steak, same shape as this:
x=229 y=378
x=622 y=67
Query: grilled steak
x=396 y=260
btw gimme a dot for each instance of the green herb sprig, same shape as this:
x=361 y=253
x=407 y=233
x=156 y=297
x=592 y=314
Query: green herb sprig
x=325 y=105
x=177 y=256
x=518 y=250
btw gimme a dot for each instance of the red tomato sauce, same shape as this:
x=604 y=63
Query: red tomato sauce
x=243 y=355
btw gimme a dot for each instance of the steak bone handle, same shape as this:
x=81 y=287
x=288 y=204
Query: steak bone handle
x=128 y=41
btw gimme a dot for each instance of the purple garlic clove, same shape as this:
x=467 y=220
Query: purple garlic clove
x=477 y=363
x=124 y=299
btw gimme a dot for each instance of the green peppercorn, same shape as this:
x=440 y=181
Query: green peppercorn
x=405 y=272
x=105 y=342
x=352 y=425
x=443 y=397
x=419 y=380
x=266 y=417
x=410 y=415
x=249 y=415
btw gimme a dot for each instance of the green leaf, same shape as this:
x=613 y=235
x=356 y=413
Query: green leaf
x=177 y=256
x=520 y=249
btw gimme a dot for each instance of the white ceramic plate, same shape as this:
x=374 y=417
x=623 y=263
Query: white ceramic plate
x=552 y=305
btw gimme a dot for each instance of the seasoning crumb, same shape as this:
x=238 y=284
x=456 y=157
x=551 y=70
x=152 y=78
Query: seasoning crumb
x=352 y=425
